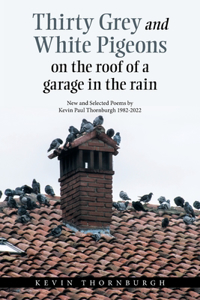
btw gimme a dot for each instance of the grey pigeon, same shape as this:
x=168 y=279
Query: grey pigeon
x=188 y=220
x=74 y=130
x=31 y=204
x=42 y=200
x=165 y=222
x=9 y=192
x=96 y=236
x=146 y=198
x=27 y=189
x=161 y=199
x=36 y=186
x=123 y=195
x=24 y=219
x=86 y=126
x=117 y=138
x=22 y=211
x=110 y=132
x=11 y=202
x=18 y=191
x=55 y=144
x=23 y=200
x=189 y=210
x=121 y=205
x=137 y=205
x=1 y=194
x=70 y=138
x=196 y=204
x=179 y=201
x=98 y=121
x=165 y=205
x=55 y=231
x=49 y=190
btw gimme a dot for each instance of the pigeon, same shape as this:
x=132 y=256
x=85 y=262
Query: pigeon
x=196 y=204
x=117 y=138
x=24 y=219
x=18 y=191
x=70 y=138
x=120 y=205
x=137 y=205
x=179 y=201
x=86 y=126
x=23 y=200
x=9 y=192
x=96 y=236
x=27 y=189
x=189 y=210
x=110 y=132
x=188 y=220
x=11 y=202
x=42 y=200
x=55 y=231
x=123 y=195
x=31 y=204
x=1 y=194
x=146 y=198
x=98 y=121
x=49 y=190
x=161 y=199
x=55 y=144
x=36 y=186
x=22 y=211
x=74 y=130
x=164 y=205
x=165 y=222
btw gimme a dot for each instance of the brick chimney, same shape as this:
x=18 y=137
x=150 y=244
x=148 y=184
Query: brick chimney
x=86 y=171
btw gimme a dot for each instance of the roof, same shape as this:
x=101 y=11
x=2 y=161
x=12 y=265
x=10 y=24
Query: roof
x=138 y=246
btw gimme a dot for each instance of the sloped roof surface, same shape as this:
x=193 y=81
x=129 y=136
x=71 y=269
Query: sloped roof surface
x=139 y=246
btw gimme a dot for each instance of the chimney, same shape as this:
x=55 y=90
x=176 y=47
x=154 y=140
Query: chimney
x=86 y=171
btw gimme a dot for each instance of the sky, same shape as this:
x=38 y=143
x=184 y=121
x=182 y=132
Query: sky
x=159 y=150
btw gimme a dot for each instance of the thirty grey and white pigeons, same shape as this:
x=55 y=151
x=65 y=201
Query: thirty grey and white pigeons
x=49 y=190
x=188 y=220
x=165 y=205
x=96 y=236
x=196 y=204
x=55 y=144
x=42 y=200
x=117 y=138
x=110 y=132
x=137 y=205
x=36 y=186
x=55 y=231
x=123 y=195
x=120 y=205
x=189 y=210
x=179 y=201
x=86 y=126
x=98 y=121
x=165 y=222
x=146 y=198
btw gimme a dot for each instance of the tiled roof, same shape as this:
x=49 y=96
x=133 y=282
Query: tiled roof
x=138 y=246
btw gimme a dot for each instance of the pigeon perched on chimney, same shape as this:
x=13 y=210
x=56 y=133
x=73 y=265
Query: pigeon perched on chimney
x=49 y=190
x=86 y=126
x=189 y=210
x=188 y=220
x=96 y=236
x=165 y=205
x=146 y=198
x=179 y=201
x=123 y=195
x=74 y=130
x=98 y=121
x=161 y=199
x=55 y=144
x=30 y=204
x=121 y=205
x=11 y=202
x=36 y=186
x=43 y=200
x=70 y=138
x=110 y=132
x=117 y=138
x=196 y=204
x=137 y=205
x=165 y=222
x=55 y=231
